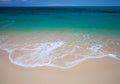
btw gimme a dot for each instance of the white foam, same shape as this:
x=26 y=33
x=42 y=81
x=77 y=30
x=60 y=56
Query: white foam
x=114 y=56
x=38 y=56
x=53 y=53
x=95 y=47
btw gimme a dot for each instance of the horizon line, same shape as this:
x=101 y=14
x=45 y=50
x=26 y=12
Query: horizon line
x=67 y=6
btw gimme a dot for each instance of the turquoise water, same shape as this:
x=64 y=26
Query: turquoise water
x=105 y=20
x=60 y=37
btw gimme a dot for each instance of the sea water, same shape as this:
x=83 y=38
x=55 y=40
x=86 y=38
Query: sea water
x=59 y=37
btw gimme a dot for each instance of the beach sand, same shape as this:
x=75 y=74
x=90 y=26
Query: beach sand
x=93 y=71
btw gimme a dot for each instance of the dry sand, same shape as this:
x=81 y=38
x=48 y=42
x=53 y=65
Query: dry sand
x=93 y=71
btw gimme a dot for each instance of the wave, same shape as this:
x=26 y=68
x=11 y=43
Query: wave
x=60 y=53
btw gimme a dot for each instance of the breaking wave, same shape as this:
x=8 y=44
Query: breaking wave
x=63 y=54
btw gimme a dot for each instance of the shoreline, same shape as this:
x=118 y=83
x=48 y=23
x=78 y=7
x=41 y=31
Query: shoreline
x=57 y=47
x=91 y=71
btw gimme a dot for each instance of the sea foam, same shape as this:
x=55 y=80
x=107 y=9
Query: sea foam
x=60 y=54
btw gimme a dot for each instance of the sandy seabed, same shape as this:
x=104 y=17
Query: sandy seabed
x=92 y=71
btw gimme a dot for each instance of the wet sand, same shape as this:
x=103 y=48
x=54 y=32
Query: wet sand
x=93 y=71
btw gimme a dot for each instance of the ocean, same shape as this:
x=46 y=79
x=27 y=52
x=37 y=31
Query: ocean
x=59 y=37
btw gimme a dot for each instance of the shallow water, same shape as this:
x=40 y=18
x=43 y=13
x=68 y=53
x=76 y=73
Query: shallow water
x=59 y=37
x=57 y=49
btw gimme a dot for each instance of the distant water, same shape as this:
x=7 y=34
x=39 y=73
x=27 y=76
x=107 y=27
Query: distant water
x=88 y=19
x=59 y=36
